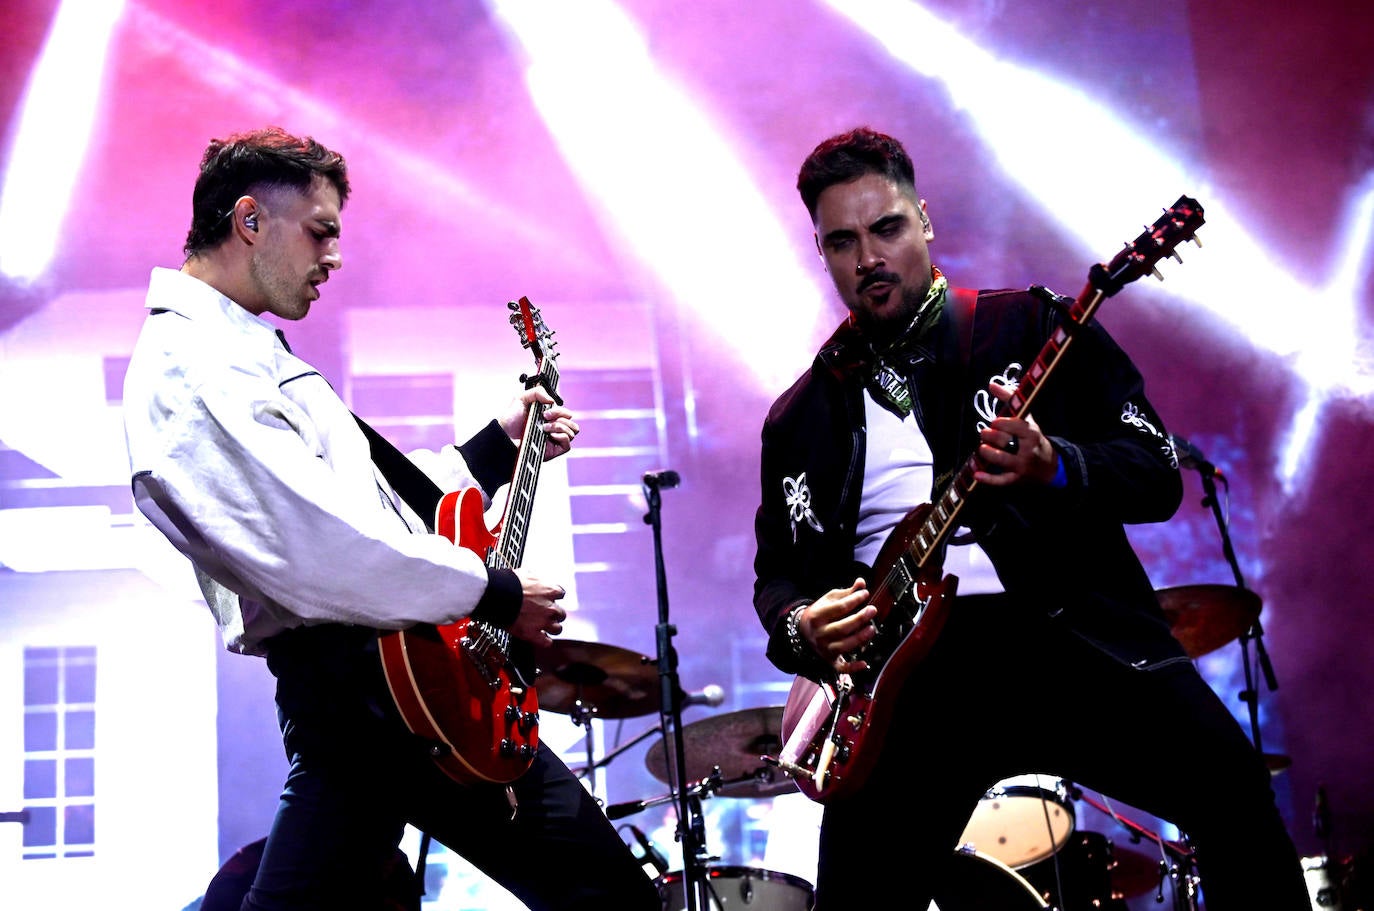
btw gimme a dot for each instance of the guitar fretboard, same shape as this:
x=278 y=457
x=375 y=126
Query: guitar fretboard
x=940 y=522
x=509 y=550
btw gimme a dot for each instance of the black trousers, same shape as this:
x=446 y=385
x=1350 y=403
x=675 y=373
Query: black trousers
x=357 y=777
x=1008 y=692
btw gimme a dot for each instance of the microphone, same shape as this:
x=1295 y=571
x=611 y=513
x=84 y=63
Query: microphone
x=652 y=855
x=664 y=479
x=1189 y=456
x=711 y=695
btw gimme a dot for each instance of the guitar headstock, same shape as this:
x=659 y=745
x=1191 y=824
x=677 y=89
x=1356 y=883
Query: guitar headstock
x=1179 y=223
x=534 y=334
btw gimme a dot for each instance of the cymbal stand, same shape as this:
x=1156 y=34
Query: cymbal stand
x=583 y=714
x=691 y=826
x=1250 y=696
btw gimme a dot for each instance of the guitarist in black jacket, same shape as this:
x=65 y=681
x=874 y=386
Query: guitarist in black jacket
x=898 y=402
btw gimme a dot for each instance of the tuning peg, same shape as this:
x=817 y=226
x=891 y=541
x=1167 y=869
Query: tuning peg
x=1156 y=273
x=1197 y=240
x=1174 y=253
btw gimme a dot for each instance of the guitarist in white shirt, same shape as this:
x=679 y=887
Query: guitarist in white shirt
x=1063 y=663
x=251 y=465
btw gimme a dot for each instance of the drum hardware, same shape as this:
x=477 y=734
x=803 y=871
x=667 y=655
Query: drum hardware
x=605 y=760
x=1177 y=862
x=704 y=788
x=1133 y=873
x=732 y=888
x=587 y=680
x=1324 y=890
x=734 y=744
x=1234 y=610
x=1328 y=879
x=1081 y=876
x=977 y=882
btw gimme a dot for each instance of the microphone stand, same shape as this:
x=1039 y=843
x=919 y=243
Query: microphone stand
x=1255 y=633
x=691 y=827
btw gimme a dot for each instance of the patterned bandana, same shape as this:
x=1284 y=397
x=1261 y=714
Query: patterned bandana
x=888 y=377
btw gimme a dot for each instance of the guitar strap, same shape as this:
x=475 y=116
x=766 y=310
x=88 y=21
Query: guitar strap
x=414 y=486
x=965 y=302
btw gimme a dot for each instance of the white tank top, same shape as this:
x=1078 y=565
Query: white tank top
x=897 y=474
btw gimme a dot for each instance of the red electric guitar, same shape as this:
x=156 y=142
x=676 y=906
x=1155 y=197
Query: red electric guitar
x=832 y=731
x=467 y=686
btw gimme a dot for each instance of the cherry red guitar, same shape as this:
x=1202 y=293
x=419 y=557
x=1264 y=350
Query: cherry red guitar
x=467 y=686
x=831 y=730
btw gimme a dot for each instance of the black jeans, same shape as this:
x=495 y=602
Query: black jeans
x=357 y=777
x=1006 y=692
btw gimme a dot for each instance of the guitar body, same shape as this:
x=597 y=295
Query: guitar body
x=831 y=731
x=465 y=686
x=455 y=684
x=834 y=734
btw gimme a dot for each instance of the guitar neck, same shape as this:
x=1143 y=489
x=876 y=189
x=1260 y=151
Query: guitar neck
x=942 y=519
x=509 y=550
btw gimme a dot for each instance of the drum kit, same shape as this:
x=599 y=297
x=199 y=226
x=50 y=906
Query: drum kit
x=1021 y=848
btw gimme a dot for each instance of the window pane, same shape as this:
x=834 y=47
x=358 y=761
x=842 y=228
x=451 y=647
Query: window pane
x=40 y=681
x=80 y=683
x=40 y=779
x=80 y=731
x=41 y=828
x=40 y=731
x=80 y=828
x=80 y=777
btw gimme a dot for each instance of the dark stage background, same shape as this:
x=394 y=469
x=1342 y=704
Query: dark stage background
x=647 y=203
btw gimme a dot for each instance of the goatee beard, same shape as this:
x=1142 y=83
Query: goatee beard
x=881 y=331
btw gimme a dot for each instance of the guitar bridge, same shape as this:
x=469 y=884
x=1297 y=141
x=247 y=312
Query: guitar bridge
x=487 y=645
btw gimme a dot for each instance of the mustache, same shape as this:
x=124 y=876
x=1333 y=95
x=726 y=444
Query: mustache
x=873 y=278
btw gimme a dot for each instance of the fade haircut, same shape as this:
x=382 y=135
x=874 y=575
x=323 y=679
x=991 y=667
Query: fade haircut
x=847 y=156
x=251 y=162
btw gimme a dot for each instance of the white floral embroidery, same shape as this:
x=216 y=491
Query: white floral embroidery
x=985 y=404
x=1131 y=414
x=798 y=496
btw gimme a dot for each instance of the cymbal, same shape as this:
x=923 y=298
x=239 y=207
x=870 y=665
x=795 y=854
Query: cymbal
x=614 y=682
x=734 y=741
x=1206 y=617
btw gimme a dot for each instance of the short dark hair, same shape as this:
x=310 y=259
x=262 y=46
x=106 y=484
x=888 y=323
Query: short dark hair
x=248 y=162
x=842 y=158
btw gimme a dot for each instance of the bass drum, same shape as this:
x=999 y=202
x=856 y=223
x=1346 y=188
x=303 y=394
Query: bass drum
x=981 y=883
x=736 y=888
x=1083 y=870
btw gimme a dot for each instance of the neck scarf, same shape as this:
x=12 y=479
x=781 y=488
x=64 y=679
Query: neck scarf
x=889 y=377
